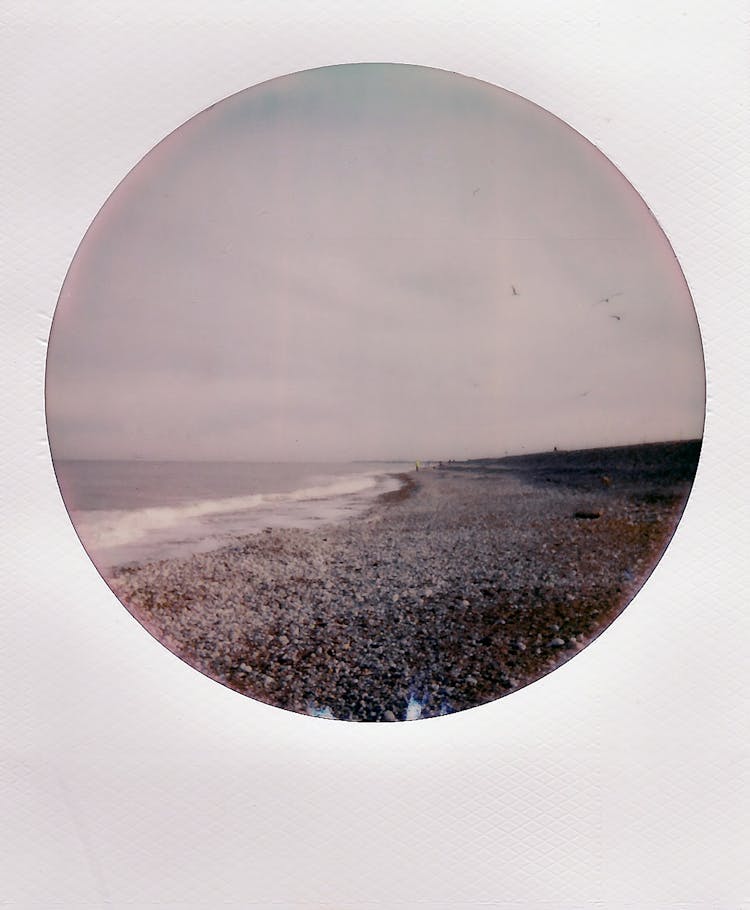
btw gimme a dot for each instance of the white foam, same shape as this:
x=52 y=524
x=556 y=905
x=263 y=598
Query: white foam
x=105 y=529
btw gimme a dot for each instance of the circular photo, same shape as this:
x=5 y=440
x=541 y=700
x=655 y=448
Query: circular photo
x=375 y=392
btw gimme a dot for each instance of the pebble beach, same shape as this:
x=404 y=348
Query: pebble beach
x=467 y=583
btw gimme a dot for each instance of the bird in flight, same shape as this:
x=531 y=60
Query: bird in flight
x=515 y=292
x=615 y=316
x=607 y=299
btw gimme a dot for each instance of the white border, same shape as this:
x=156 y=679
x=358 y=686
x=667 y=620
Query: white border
x=134 y=780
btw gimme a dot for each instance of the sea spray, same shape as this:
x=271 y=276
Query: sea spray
x=107 y=528
x=131 y=512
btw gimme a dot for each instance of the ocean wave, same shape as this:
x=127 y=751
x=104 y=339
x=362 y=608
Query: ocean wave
x=119 y=527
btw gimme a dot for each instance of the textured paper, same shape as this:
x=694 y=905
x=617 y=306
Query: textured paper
x=129 y=779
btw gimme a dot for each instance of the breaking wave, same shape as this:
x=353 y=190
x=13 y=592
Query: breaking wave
x=119 y=527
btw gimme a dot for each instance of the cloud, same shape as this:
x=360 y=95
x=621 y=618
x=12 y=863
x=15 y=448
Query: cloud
x=366 y=262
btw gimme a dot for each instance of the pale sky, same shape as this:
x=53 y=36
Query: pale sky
x=323 y=268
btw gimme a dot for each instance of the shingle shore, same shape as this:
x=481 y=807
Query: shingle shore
x=470 y=582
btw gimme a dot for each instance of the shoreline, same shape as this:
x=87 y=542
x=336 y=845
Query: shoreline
x=459 y=587
x=118 y=537
x=409 y=485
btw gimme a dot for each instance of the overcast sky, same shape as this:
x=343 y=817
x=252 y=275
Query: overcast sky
x=323 y=268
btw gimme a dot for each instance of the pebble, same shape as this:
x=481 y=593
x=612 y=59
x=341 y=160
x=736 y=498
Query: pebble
x=462 y=539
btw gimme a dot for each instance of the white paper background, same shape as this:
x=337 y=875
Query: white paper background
x=128 y=778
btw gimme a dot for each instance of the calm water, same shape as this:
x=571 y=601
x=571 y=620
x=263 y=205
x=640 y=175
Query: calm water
x=134 y=511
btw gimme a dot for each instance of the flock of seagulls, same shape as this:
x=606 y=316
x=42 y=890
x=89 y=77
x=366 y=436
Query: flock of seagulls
x=616 y=316
x=515 y=293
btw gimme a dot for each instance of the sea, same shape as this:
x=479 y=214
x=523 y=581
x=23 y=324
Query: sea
x=140 y=511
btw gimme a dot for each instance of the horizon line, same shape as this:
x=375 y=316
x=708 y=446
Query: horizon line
x=401 y=460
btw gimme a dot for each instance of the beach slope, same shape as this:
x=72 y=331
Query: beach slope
x=474 y=579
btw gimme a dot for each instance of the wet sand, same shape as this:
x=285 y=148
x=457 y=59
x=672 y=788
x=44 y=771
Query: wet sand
x=472 y=580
